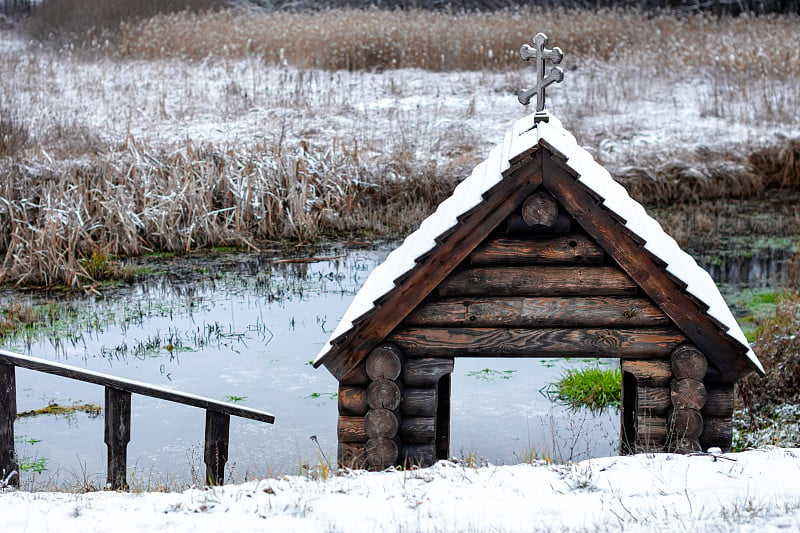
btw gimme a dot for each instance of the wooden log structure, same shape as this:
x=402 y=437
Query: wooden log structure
x=418 y=402
x=516 y=225
x=384 y=394
x=384 y=362
x=352 y=401
x=418 y=430
x=540 y=209
x=651 y=431
x=540 y=342
x=381 y=453
x=538 y=281
x=566 y=249
x=688 y=396
x=649 y=372
x=717 y=432
x=216 y=446
x=425 y=372
x=533 y=312
x=381 y=423
x=719 y=402
x=117 y=436
x=9 y=472
x=352 y=455
x=653 y=401
x=418 y=455
x=351 y=429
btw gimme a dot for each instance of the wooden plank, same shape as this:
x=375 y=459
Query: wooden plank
x=472 y=229
x=418 y=402
x=117 y=436
x=352 y=455
x=649 y=372
x=719 y=402
x=351 y=429
x=443 y=417
x=8 y=413
x=652 y=401
x=418 y=430
x=544 y=342
x=717 y=431
x=421 y=455
x=729 y=358
x=651 y=430
x=425 y=372
x=515 y=225
x=357 y=377
x=352 y=401
x=571 y=249
x=538 y=281
x=136 y=387
x=216 y=446
x=601 y=311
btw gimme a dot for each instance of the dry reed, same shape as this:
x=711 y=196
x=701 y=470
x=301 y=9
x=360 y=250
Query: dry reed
x=379 y=39
x=131 y=202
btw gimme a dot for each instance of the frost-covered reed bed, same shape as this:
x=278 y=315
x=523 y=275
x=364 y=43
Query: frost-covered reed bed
x=216 y=128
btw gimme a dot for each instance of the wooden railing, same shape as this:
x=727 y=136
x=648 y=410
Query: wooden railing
x=118 y=416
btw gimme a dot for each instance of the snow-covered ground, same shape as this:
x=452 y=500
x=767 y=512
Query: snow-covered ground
x=751 y=491
x=625 y=114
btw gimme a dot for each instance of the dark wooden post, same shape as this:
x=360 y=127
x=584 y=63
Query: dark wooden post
x=688 y=396
x=8 y=413
x=216 y=448
x=117 y=436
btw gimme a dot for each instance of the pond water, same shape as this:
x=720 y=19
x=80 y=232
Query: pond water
x=244 y=328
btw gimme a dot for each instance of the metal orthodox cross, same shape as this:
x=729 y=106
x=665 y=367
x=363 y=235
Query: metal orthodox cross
x=541 y=55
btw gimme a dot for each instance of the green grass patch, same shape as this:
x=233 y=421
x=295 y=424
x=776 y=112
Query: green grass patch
x=593 y=388
x=53 y=408
x=487 y=374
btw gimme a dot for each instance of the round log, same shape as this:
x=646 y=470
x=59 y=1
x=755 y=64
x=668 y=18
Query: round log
x=419 y=430
x=352 y=455
x=684 y=445
x=419 y=402
x=381 y=423
x=418 y=455
x=719 y=402
x=685 y=423
x=540 y=209
x=688 y=394
x=385 y=362
x=717 y=432
x=688 y=362
x=384 y=394
x=351 y=429
x=381 y=453
x=352 y=401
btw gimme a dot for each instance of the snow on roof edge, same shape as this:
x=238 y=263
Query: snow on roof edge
x=522 y=136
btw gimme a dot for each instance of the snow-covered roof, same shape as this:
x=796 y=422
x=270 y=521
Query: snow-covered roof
x=522 y=137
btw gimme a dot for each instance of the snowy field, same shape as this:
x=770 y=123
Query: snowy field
x=750 y=491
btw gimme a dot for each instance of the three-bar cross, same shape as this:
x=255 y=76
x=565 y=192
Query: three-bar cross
x=541 y=55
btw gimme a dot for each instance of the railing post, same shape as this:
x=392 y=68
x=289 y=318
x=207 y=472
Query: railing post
x=117 y=436
x=8 y=413
x=216 y=447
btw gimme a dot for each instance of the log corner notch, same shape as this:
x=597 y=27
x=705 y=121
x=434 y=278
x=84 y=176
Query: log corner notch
x=394 y=411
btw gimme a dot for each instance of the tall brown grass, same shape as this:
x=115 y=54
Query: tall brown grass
x=138 y=200
x=379 y=39
x=13 y=134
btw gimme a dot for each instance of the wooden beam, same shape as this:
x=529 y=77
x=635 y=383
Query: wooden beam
x=419 y=402
x=117 y=436
x=601 y=311
x=719 y=402
x=216 y=446
x=545 y=342
x=474 y=226
x=129 y=385
x=730 y=358
x=565 y=249
x=352 y=401
x=425 y=372
x=351 y=429
x=538 y=281
x=8 y=413
x=649 y=372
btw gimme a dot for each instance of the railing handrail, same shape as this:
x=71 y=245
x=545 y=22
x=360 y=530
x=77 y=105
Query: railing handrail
x=132 y=386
